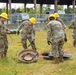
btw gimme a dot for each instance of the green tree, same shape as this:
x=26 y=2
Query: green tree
x=4 y=9
x=18 y=10
x=13 y=10
x=70 y=10
x=30 y=11
x=38 y=9
x=46 y=8
x=60 y=7
x=21 y=9
x=0 y=10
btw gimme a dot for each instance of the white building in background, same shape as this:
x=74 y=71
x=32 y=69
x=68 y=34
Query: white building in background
x=47 y=13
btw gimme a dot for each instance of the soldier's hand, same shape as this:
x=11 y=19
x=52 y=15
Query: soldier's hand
x=32 y=42
x=8 y=32
x=65 y=39
x=18 y=32
x=49 y=42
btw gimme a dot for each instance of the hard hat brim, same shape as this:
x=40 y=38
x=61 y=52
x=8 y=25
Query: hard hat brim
x=3 y=17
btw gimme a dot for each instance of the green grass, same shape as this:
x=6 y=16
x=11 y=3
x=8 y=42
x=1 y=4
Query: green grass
x=12 y=66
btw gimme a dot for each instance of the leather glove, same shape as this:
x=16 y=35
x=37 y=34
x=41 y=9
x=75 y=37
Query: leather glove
x=65 y=39
x=18 y=32
x=49 y=42
x=32 y=42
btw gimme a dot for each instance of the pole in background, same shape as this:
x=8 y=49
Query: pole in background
x=74 y=7
x=56 y=5
x=10 y=12
x=35 y=7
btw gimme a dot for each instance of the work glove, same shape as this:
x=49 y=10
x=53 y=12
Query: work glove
x=32 y=42
x=18 y=32
x=49 y=42
x=65 y=39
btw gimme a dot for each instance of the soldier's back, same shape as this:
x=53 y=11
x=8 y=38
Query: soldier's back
x=56 y=29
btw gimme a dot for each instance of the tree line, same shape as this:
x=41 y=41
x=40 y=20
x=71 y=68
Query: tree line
x=31 y=10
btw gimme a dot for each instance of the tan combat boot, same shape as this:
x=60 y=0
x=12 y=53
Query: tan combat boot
x=56 y=60
x=61 y=59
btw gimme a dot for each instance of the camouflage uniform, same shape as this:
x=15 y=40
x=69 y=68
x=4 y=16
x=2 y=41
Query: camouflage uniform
x=55 y=32
x=73 y=25
x=64 y=27
x=28 y=32
x=3 y=40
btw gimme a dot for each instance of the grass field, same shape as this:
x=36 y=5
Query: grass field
x=12 y=66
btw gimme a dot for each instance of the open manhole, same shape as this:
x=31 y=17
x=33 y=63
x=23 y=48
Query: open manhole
x=28 y=56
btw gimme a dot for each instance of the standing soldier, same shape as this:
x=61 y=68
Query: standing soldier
x=55 y=33
x=3 y=35
x=73 y=25
x=28 y=32
x=64 y=26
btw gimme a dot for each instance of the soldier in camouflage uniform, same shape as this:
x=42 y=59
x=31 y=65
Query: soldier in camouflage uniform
x=28 y=32
x=3 y=35
x=64 y=26
x=73 y=25
x=55 y=33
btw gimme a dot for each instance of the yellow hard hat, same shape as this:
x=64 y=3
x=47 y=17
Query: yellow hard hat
x=56 y=15
x=32 y=20
x=52 y=15
x=4 y=15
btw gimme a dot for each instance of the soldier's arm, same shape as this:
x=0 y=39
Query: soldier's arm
x=33 y=31
x=0 y=28
x=33 y=34
x=72 y=24
x=48 y=32
x=20 y=27
x=7 y=30
x=64 y=26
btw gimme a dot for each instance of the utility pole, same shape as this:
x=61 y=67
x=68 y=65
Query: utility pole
x=35 y=7
x=10 y=12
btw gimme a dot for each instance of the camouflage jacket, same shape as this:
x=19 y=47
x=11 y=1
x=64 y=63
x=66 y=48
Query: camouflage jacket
x=73 y=25
x=55 y=30
x=27 y=29
x=3 y=29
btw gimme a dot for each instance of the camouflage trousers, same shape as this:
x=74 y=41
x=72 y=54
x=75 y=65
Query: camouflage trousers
x=74 y=40
x=24 y=41
x=3 y=45
x=57 y=48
